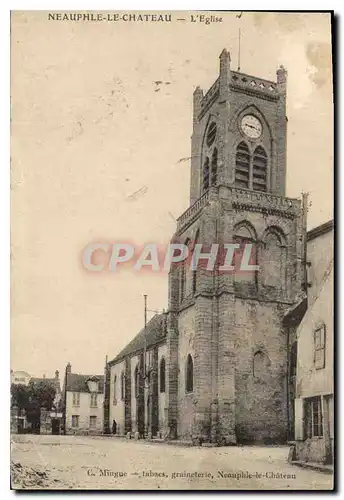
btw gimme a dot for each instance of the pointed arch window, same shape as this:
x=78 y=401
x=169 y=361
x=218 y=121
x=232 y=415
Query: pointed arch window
x=293 y=360
x=162 y=375
x=261 y=364
x=211 y=134
x=206 y=175
x=189 y=374
x=194 y=281
x=122 y=386
x=137 y=380
x=209 y=155
x=244 y=235
x=274 y=259
x=259 y=172
x=184 y=278
x=214 y=168
x=114 y=388
x=194 y=271
x=242 y=166
x=182 y=281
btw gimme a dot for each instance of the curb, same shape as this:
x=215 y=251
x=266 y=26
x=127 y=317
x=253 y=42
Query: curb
x=326 y=469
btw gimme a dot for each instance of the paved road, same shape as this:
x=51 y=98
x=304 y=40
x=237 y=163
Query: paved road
x=113 y=463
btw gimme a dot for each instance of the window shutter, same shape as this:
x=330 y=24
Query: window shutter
x=299 y=418
x=259 y=169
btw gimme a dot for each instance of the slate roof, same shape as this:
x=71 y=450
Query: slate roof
x=319 y=230
x=78 y=383
x=155 y=332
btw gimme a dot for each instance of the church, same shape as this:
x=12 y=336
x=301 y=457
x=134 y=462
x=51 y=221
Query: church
x=214 y=367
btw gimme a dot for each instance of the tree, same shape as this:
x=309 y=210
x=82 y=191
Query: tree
x=43 y=393
x=20 y=395
x=32 y=398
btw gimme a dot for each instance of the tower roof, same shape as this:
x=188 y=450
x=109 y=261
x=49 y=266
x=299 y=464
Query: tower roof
x=78 y=383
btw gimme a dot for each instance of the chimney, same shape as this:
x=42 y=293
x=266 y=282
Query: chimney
x=57 y=375
x=69 y=368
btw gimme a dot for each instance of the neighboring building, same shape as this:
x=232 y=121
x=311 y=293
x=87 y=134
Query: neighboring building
x=83 y=398
x=223 y=344
x=20 y=377
x=313 y=345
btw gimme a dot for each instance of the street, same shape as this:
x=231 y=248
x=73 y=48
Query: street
x=85 y=462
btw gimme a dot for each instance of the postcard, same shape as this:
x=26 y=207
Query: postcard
x=172 y=250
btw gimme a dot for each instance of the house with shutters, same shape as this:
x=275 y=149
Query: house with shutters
x=83 y=398
x=312 y=354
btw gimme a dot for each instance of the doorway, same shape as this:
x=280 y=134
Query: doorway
x=55 y=426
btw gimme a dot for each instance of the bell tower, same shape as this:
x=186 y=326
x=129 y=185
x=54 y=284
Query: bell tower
x=239 y=133
x=227 y=343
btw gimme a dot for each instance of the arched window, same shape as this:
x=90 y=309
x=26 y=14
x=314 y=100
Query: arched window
x=162 y=375
x=261 y=364
x=259 y=173
x=184 y=275
x=244 y=235
x=214 y=168
x=182 y=280
x=293 y=360
x=242 y=166
x=114 y=388
x=209 y=155
x=194 y=281
x=206 y=175
x=189 y=374
x=211 y=134
x=122 y=386
x=194 y=271
x=274 y=260
x=137 y=380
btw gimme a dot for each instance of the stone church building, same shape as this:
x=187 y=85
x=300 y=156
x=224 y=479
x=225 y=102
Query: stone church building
x=217 y=360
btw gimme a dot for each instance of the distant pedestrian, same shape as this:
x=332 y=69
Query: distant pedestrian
x=114 y=427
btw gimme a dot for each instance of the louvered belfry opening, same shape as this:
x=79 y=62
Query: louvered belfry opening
x=210 y=155
x=211 y=134
x=259 y=177
x=242 y=166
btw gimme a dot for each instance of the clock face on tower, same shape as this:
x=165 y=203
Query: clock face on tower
x=251 y=126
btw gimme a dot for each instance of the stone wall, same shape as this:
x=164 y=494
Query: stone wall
x=230 y=325
x=186 y=329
